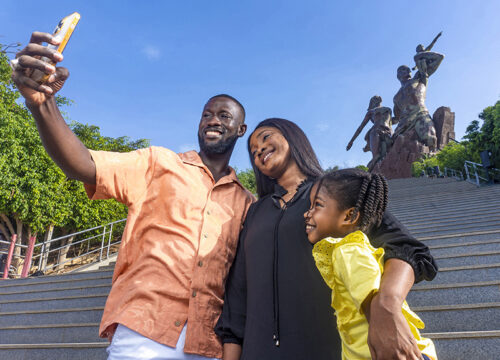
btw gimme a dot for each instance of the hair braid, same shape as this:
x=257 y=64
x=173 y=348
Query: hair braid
x=369 y=205
x=361 y=196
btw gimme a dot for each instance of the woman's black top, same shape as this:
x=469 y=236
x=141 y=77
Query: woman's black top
x=277 y=304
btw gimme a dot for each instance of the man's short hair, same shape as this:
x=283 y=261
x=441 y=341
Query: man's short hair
x=233 y=99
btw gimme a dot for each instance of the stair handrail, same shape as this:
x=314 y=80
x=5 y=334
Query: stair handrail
x=456 y=174
x=477 y=174
x=107 y=247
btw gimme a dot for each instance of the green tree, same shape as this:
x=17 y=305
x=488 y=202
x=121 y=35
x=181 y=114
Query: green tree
x=247 y=179
x=35 y=195
x=486 y=137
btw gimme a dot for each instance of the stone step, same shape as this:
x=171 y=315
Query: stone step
x=456 y=223
x=47 y=293
x=468 y=273
x=54 y=278
x=475 y=246
x=52 y=316
x=411 y=210
x=60 y=302
x=54 y=284
x=475 y=258
x=440 y=199
x=464 y=237
x=46 y=334
x=54 y=351
x=456 y=230
x=445 y=204
x=427 y=293
x=477 y=345
x=460 y=317
x=443 y=198
x=493 y=214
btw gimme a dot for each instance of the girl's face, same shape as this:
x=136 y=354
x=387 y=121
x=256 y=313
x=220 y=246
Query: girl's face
x=325 y=217
x=270 y=151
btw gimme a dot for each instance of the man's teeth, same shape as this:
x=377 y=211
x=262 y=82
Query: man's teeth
x=212 y=133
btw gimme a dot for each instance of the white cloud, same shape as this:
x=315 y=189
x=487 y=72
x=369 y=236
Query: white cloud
x=322 y=126
x=153 y=53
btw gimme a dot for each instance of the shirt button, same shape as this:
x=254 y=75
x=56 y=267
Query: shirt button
x=200 y=263
x=177 y=323
x=205 y=236
x=208 y=212
x=194 y=293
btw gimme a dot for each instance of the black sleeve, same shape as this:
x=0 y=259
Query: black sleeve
x=398 y=243
x=231 y=324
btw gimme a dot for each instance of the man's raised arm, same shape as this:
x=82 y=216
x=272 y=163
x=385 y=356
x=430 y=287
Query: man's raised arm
x=59 y=141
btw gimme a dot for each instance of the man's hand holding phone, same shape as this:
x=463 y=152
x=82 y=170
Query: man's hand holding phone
x=34 y=69
x=29 y=60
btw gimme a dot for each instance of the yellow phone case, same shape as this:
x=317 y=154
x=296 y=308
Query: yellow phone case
x=62 y=32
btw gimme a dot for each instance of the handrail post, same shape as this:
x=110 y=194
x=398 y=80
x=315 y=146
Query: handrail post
x=466 y=171
x=42 y=252
x=109 y=240
x=9 y=256
x=102 y=242
x=28 y=257
x=477 y=176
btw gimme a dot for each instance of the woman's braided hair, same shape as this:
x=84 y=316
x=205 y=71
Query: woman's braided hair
x=367 y=193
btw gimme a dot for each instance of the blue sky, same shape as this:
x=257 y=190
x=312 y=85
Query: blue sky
x=145 y=69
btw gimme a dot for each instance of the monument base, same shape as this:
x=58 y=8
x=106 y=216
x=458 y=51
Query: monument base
x=405 y=150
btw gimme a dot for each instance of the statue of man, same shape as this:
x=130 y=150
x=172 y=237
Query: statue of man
x=410 y=111
x=378 y=138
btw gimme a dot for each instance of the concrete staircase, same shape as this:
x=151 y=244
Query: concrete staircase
x=57 y=317
x=461 y=225
x=54 y=317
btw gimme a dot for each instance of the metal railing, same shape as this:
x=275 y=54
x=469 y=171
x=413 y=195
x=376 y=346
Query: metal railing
x=456 y=174
x=76 y=249
x=477 y=174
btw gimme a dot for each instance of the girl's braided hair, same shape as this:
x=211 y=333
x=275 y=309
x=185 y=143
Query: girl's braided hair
x=367 y=193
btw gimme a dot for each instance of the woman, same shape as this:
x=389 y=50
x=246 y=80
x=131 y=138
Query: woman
x=276 y=302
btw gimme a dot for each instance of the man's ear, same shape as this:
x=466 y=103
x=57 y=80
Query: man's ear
x=351 y=216
x=242 y=130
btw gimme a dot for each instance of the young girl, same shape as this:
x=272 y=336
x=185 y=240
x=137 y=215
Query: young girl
x=345 y=204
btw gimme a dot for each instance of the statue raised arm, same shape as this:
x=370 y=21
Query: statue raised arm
x=378 y=138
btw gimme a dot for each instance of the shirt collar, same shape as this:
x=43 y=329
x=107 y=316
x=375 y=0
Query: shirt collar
x=193 y=158
x=302 y=191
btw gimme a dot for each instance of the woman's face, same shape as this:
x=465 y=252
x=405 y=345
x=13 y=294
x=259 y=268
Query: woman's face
x=270 y=151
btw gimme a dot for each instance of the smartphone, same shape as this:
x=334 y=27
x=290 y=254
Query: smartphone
x=62 y=33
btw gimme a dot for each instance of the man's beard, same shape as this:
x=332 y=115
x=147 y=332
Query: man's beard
x=220 y=147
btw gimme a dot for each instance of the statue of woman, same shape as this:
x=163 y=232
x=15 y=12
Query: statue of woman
x=378 y=138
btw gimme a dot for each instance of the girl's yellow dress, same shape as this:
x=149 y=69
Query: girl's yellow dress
x=352 y=268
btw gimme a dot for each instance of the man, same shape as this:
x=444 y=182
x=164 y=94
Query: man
x=410 y=111
x=185 y=214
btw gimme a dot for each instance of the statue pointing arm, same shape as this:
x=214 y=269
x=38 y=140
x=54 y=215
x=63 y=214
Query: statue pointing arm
x=360 y=128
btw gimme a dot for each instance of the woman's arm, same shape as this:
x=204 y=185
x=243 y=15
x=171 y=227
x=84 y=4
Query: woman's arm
x=231 y=351
x=398 y=243
x=407 y=260
x=231 y=325
x=389 y=336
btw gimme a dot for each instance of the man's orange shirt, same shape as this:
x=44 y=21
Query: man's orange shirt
x=178 y=244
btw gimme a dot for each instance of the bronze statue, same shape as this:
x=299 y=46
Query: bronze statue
x=410 y=111
x=378 y=138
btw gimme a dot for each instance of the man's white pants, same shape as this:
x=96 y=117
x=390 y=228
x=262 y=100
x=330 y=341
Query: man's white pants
x=129 y=345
